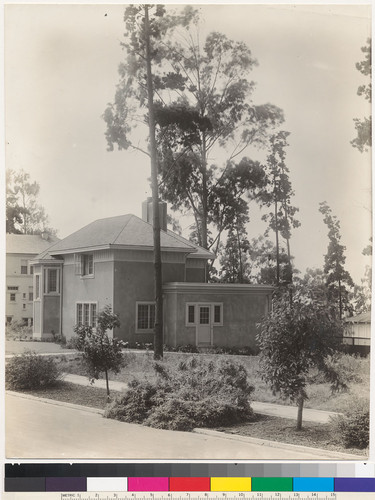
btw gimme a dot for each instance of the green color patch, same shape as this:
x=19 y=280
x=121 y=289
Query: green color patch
x=272 y=484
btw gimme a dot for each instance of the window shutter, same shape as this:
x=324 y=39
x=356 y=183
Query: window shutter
x=78 y=264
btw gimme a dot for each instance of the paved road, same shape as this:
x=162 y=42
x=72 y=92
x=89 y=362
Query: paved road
x=36 y=429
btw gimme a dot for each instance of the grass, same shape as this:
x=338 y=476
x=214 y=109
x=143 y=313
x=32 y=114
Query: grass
x=93 y=397
x=284 y=430
x=139 y=364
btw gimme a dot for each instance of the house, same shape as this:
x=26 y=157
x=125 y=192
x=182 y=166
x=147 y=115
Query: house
x=20 y=249
x=110 y=261
x=357 y=333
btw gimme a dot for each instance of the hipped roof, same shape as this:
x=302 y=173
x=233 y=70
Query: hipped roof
x=124 y=232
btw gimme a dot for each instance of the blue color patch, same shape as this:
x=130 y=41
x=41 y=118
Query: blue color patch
x=355 y=484
x=313 y=484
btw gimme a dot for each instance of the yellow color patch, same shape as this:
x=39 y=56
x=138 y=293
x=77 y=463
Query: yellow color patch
x=230 y=483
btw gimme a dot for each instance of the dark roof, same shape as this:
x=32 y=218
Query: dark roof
x=124 y=231
x=360 y=318
x=31 y=244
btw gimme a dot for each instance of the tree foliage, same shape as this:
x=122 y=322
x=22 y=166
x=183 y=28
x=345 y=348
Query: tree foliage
x=24 y=215
x=364 y=126
x=100 y=352
x=277 y=196
x=211 y=110
x=338 y=280
x=293 y=338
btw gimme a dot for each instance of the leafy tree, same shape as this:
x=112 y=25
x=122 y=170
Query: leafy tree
x=24 y=214
x=100 y=352
x=361 y=296
x=234 y=260
x=363 y=127
x=263 y=257
x=338 y=280
x=13 y=210
x=205 y=107
x=278 y=195
x=295 y=337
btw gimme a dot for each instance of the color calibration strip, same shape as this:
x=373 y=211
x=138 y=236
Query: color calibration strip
x=188 y=484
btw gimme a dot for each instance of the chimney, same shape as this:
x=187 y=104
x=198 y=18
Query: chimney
x=147 y=212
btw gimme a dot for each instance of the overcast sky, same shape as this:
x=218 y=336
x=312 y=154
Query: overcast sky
x=61 y=71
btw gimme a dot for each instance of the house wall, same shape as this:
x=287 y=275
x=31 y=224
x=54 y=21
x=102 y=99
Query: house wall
x=22 y=308
x=98 y=288
x=134 y=282
x=241 y=312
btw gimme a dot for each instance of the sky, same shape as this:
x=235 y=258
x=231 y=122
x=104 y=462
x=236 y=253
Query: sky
x=61 y=71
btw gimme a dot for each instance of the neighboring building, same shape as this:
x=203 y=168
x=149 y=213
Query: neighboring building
x=357 y=334
x=110 y=261
x=20 y=248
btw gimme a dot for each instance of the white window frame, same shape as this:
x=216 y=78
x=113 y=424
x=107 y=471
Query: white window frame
x=46 y=281
x=90 y=304
x=211 y=305
x=37 y=290
x=143 y=303
x=79 y=259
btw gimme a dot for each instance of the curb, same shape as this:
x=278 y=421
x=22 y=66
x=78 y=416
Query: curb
x=55 y=402
x=279 y=444
x=329 y=455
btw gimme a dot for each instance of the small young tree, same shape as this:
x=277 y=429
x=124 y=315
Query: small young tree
x=100 y=352
x=293 y=338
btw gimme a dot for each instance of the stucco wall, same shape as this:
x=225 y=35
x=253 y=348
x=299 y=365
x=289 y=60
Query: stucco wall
x=241 y=312
x=134 y=282
x=22 y=307
x=81 y=289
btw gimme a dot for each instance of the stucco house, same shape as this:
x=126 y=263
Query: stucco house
x=110 y=261
x=20 y=249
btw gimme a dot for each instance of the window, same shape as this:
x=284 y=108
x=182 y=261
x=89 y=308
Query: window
x=25 y=321
x=217 y=313
x=31 y=294
x=24 y=307
x=191 y=314
x=23 y=266
x=86 y=314
x=13 y=288
x=145 y=316
x=51 y=280
x=24 y=295
x=204 y=314
x=9 y=320
x=31 y=269
x=37 y=286
x=12 y=297
x=84 y=264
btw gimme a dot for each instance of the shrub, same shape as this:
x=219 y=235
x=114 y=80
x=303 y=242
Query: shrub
x=17 y=330
x=31 y=371
x=353 y=428
x=195 y=393
x=348 y=367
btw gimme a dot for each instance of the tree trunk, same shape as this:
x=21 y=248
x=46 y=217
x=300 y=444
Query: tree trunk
x=204 y=195
x=340 y=300
x=158 y=327
x=107 y=385
x=277 y=248
x=299 y=413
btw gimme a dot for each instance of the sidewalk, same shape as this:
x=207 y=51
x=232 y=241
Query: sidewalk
x=271 y=409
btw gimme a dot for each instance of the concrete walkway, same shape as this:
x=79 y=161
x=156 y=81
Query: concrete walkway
x=271 y=409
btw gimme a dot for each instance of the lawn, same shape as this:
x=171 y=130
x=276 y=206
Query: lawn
x=139 y=364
